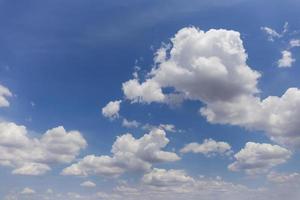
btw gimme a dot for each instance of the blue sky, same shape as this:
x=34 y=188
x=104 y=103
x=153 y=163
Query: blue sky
x=63 y=62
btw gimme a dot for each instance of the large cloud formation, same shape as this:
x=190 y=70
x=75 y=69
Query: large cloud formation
x=33 y=156
x=211 y=67
x=129 y=154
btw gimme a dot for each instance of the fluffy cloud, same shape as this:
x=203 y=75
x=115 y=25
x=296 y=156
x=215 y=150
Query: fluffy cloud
x=207 y=66
x=130 y=124
x=32 y=156
x=4 y=93
x=129 y=154
x=256 y=158
x=211 y=67
x=277 y=116
x=286 y=60
x=88 y=184
x=209 y=148
x=111 y=110
x=148 y=91
x=162 y=177
x=28 y=191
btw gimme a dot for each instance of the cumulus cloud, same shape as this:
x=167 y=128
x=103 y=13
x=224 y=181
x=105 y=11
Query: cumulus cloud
x=256 y=158
x=88 y=184
x=28 y=191
x=286 y=60
x=32 y=156
x=148 y=91
x=130 y=124
x=111 y=110
x=4 y=93
x=211 y=67
x=129 y=154
x=163 y=177
x=274 y=115
x=209 y=148
x=206 y=66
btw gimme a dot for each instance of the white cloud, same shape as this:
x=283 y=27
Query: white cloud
x=209 y=148
x=129 y=154
x=284 y=178
x=174 y=184
x=207 y=66
x=211 y=67
x=177 y=185
x=165 y=127
x=294 y=43
x=286 y=60
x=28 y=191
x=273 y=34
x=111 y=110
x=32 y=156
x=147 y=91
x=163 y=177
x=32 y=169
x=277 y=116
x=4 y=93
x=168 y=127
x=88 y=184
x=130 y=124
x=256 y=158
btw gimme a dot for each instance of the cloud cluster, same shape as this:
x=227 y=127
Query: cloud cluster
x=209 y=148
x=211 y=67
x=4 y=93
x=256 y=158
x=33 y=156
x=111 y=110
x=129 y=154
x=286 y=59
